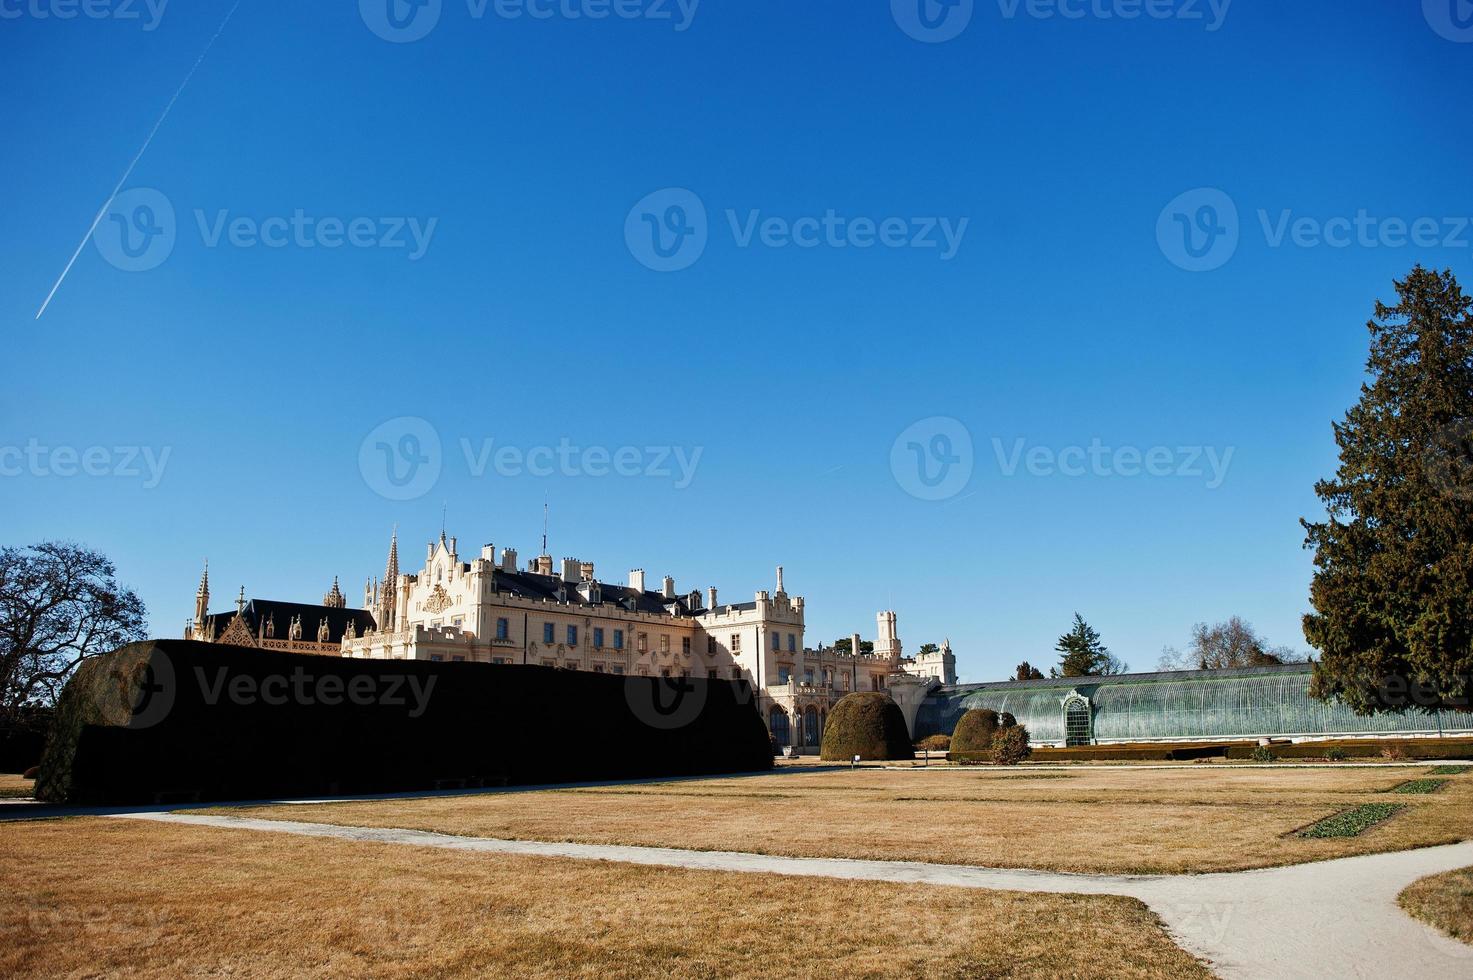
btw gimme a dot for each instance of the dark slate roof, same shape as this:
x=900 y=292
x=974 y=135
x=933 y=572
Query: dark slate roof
x=1143 y=678
x=281 y=614
x=530 y=585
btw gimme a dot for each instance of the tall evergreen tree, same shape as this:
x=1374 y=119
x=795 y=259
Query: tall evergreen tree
x=1083 y=655
x=1393 y=584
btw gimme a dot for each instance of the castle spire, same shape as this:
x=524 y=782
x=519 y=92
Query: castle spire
x=202 y=601
x=388 y=592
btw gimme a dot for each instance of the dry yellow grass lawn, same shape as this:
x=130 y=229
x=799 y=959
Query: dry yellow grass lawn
x=97 y=896
x=1444 y=901
x=14 y=786
x=1105 y=820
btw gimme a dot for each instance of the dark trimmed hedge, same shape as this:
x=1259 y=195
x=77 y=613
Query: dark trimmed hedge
x=174 y=720
x=866 y=724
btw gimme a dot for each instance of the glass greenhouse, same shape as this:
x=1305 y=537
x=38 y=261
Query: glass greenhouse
x=1176 y=706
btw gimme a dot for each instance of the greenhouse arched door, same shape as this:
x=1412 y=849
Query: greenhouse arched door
x=1076 y=722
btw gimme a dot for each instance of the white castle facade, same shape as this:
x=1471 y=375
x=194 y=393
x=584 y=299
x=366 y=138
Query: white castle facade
x=488 y=610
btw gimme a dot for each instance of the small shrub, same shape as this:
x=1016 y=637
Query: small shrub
x=975 y=730
x=31 y=772
x=1393 y=753
x=935 y=743
x=1010 y=746
x=1263 y=754
x=1336 y=754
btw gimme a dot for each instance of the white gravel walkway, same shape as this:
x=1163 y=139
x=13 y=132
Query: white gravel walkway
x=1327 y=919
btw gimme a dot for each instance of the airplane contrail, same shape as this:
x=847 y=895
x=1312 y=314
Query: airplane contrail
x=134 y=162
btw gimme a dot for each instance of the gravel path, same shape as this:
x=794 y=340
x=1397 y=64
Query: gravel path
x=1328 y=919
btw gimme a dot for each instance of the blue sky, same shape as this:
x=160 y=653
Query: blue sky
x=521 y=147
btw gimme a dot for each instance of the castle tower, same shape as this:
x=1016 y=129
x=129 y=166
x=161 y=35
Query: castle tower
x=887 y=643
x=202 y=603
x=335 y=599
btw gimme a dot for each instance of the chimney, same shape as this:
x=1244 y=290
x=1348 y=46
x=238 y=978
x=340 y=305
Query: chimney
x=488 y=553
x=508 y=559
x=711 y=597
x=636 y=579
x=667 y=588
x=570 y=569
x=585 y=571
x=854 y=644
x=780 y=581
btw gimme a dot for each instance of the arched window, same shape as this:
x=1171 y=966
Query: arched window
x=1077 y=722
x=810 y=726
x=777 y=723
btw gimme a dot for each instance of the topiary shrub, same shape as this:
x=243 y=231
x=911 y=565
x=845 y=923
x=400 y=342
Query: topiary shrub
x=868 y=725
x=975 y=730
x=1006 y=720
x=1336 y=754
x=1263 y=754
x=1010 y=746
x=31 y=772
x=935 y=743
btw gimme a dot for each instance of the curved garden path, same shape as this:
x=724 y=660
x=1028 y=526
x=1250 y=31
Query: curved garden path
x=1334 y=918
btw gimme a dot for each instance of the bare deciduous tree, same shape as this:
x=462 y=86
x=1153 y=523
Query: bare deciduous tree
x=60 y=603
x=1233 y=643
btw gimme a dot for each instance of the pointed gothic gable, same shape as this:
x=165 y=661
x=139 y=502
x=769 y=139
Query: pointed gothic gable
x=238 y=633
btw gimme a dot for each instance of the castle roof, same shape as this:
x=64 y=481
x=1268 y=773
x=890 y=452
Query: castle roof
x=257 y=611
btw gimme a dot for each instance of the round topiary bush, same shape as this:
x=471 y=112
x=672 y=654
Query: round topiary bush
x=975 y=730
x=868 y=725
x=1006 y=720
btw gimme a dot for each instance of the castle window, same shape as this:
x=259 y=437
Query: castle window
x=617 y=668
x=808 y=677
x=776 y=642
x=546 y=632
x=618 y=639
x=503 y=628
x=642 y=642
x=736 y=643
x=598 y=637
x=458 y=660
x=598 y=668
x=792 y=643
x=784 y=674
x=664 y=643
x=736 y=673
x=436 y=658
x=713 y=674
x=710 y=644
x=572 y=636
x=685 y=645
